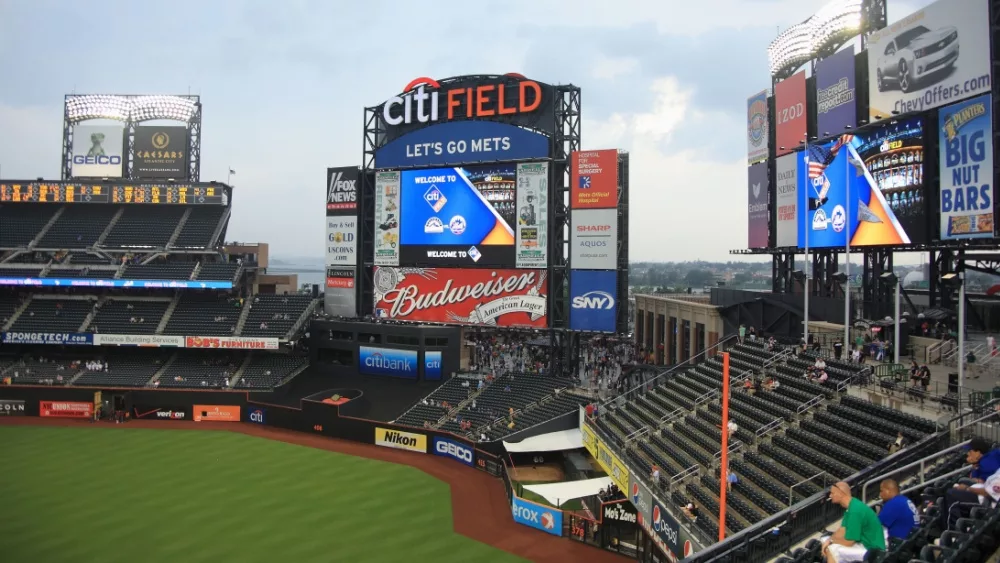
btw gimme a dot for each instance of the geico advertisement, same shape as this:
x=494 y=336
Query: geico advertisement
x=544 y=518
x=462 y=296
x=398 y=440
x=592 y=300
x=97 y=151
x=934 y=56
x=966 y=147
x=594 y=240
x=454 y=450
x=461 y=142
x=387 y=361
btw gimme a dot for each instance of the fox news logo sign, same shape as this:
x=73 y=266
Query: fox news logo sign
x=342 y=190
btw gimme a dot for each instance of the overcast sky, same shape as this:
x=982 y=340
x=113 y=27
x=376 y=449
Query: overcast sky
x=283 y=85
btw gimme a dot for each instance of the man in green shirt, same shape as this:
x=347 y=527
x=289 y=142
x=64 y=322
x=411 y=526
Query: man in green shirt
x=859 y=531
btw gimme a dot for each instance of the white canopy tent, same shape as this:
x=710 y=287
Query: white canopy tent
x=560 y=493
x=551 y=442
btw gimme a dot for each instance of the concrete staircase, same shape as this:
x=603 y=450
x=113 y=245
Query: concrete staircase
x=166 y=365
x=111 y=225
x=45 y=229
x=17 y=313
x=166 y=314
x=244 y=313
x=180 y=227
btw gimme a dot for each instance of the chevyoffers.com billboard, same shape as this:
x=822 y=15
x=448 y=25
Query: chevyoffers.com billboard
x=532 y=214
x=966 y=145
x=97 y=151
x=501 y=297
x=934 y=56
x=160 y=152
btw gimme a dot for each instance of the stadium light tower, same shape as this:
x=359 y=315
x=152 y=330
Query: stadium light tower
x=800 y=43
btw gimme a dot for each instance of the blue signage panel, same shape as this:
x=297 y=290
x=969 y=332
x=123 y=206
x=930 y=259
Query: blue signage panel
x=454 y=450
x=62 y=338
x=257 y=415
x=432 y=364
x=593 y=306
x=77 y=282
x=544 y=518
x=387 y=361
x=462 y=142
x=966 y=165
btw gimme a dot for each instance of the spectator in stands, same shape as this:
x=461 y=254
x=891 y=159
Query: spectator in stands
x=656 y=475
x=690 y=510
x=985 y=459
x=771 y=384
x=898 y=444
x=860 y=530
x=971 y=490
x=771 y=343
x=898 y=514
x=820 y=364
x=753 y=334
x=743 y=333
x=733 y=428
x=731 y=479
x=838 y=349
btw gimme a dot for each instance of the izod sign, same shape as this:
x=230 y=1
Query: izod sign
x=790 y=118
x=425 y=101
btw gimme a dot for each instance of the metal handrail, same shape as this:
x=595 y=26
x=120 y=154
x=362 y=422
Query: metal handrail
x=921 y=463
x=767 y=428
x=733 y=448
x=809 y=404
x=948 y=475
x=803 y=482
x=669 y=417
x=685 y=473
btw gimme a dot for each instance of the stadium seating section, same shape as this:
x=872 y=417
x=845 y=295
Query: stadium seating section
x=275 y=315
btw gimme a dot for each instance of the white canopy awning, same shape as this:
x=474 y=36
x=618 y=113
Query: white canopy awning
x=560 y=493
x=551 y=442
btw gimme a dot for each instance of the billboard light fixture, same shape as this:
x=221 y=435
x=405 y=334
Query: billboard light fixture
x=130 y=108
x=801 y=42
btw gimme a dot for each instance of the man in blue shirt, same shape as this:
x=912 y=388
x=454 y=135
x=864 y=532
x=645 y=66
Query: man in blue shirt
x=986 y=460
x=898 y=514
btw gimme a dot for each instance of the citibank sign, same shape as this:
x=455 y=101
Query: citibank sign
x=425 y=100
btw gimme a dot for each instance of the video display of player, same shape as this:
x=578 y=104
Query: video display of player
x=867 y=186
x=458 y=216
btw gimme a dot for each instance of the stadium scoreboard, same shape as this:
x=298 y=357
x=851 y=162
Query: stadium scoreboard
x=67 y=192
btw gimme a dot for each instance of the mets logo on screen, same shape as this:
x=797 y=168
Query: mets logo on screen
x=757 y=121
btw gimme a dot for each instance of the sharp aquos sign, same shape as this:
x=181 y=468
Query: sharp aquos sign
x=495 y=297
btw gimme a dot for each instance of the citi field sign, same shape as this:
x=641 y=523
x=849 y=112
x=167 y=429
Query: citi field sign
x=511 y=98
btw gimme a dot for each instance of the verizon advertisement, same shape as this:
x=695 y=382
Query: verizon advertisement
x=342 y=190
x=786 y=185
x=462 y=296
x=790 y=118
x=341 y=241
x=594 y=179
x=594 y=240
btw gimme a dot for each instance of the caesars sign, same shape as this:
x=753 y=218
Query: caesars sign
x=97 y=151
x=935 y=56
x=503 y=297
x=160 y=152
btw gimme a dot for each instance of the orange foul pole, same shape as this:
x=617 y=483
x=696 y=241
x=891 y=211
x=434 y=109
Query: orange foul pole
x=723 y=477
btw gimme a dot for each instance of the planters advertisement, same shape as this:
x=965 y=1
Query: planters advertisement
x=387 y=361
x=462 y=296
x=966 y=145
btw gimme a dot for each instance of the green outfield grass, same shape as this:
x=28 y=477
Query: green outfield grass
x=132 y=495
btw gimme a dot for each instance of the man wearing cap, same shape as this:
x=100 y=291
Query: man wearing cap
x=986 y=464
x=859 y=531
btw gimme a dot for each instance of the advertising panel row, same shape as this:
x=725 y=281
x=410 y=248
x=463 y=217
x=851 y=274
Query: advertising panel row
x=118 y=283
x=612 y=465
x=594 y=179
x=387 y=361
x=160 y=152
x=532 y=215
x=537 y=516
x=387 y=218
x=161 y=412
x=98 y=151
x=593 y=306
x=341 y=241
x=836 y=104
x=216 y=413
x=142 y=340
x=462 y=296
x=455 y=450
x=935 y=56
x=342 y=186
x=339 y=297
x=342 y=236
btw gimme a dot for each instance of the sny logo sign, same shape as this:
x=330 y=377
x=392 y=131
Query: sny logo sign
x=594 y=300
x=257 y=416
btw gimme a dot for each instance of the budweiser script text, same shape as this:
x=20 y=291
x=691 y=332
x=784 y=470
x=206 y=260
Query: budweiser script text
x=407 y=299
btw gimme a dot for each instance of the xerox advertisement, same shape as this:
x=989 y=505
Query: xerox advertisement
x=868 y=187
x=458 y=216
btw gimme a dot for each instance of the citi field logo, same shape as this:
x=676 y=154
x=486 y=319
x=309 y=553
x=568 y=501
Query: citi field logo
x=257 y=416
x=420 y=101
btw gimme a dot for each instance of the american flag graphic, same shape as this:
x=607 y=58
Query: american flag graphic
x=584 y=182
x=820 y=157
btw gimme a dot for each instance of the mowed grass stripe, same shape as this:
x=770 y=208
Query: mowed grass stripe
x=124 y=494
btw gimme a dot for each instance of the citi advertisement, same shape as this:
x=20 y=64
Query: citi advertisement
x=593 y=306
x=594 y=239
x=787 y=200
x=594 y=179
x=458 y=216
x=966 y=153
x=462 y=142
x=342 y=190
x=532 y=250
x=341 y=241
x=866 y=188
x=790 y=117
x=933 y=57
x=387 y=218
x=462 y=296
x=537 y=516
x=836 y=105
x=757 y=128
x=160 y=152
x=257 y=415
x=757 y=198
x=387 y=361
x=97 y=151
x=432 y=364
x=454 y=450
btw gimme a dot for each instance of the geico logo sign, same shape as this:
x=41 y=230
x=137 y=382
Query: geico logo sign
x=616 y=512
x=173 y=415
x=600 y=300
x=102 y=160
x=454 y=450
x=257 y=416
x=543 y=519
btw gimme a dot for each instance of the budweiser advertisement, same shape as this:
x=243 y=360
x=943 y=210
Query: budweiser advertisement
x=65 y=409
x=462 y=296
x=231 y=342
